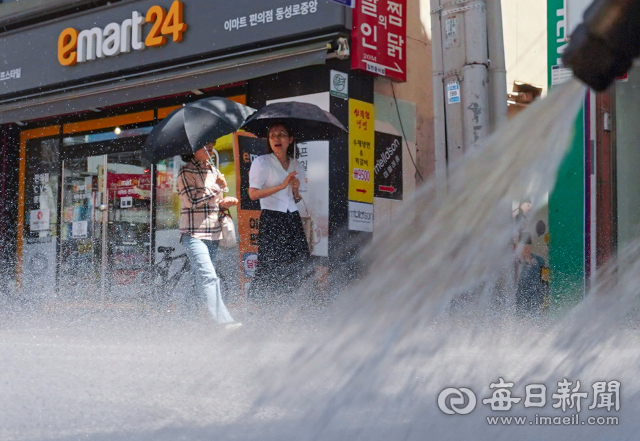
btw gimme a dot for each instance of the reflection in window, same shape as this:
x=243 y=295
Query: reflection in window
x=105 y=136
x=167 y=200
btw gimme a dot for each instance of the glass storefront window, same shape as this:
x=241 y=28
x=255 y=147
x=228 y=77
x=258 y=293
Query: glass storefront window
x=168 y=201
x=41 y=190
x=42 y=180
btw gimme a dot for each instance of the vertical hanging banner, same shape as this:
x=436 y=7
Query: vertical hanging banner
x=379 y=38
x=246 y=149
x=361 y=151
x=361 y=165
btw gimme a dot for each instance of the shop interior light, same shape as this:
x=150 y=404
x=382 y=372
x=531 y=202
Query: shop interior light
x=117 y=131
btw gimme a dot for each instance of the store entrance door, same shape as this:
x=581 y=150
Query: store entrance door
x=105 y=240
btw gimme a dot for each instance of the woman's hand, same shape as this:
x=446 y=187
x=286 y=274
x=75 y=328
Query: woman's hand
x=221 y=181
x=290 y=177
x=295 y=185
x=228 y=202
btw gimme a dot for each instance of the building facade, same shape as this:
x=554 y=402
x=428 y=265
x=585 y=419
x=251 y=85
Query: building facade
x=83 y=83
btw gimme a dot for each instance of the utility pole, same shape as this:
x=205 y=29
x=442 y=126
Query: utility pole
x=469 y=78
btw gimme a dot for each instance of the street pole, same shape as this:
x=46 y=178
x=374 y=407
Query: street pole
x=469 y=93
x=439 y=120
x=497 y=66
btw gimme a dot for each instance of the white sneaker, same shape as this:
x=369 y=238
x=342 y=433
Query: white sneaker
x=233 y=325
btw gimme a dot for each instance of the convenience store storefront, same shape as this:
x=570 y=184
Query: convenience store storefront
x=84 y=213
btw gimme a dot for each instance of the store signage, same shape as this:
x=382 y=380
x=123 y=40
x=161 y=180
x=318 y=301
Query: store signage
x=115 y=38
x=360 y=217
x=267 y=16
x=388 y=168
x=361 y=149
x=46 y=55
x=379 y=38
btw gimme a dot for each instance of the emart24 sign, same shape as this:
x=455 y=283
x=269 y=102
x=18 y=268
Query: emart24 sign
x=115 y=38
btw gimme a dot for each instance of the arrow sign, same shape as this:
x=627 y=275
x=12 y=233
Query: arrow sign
x=382 y=66
x=386 y=188
x=361 y=190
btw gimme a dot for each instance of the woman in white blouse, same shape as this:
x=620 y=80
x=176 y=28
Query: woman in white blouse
x=283 y=252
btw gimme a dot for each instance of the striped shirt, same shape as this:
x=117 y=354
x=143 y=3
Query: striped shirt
x=199 y=201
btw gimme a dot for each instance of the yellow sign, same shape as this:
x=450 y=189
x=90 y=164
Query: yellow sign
x=116 y=38
x=361 y=151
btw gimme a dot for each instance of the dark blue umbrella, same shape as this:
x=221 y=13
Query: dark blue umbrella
x=189 y=128
x=308 y=122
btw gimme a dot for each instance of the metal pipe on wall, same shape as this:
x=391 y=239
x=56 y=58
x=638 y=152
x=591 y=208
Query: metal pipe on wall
x=439 y=132
x=475 y=93
x=497 y=66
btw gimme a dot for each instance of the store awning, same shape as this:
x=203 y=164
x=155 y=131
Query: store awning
x=168 y=81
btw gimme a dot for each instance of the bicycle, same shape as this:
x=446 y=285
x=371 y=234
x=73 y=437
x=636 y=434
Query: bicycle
x=163 y=277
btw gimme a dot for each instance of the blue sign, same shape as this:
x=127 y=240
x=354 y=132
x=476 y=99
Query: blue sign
x=350 y=3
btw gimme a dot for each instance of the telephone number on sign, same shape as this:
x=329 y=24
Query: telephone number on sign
x=361 y=175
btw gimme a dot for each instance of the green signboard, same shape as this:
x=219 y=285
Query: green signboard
x=567 y=201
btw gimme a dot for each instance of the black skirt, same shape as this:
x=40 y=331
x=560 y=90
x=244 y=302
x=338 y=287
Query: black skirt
x=283 y=254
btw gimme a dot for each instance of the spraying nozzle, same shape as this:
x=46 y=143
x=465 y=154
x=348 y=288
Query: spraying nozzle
x=603 y=47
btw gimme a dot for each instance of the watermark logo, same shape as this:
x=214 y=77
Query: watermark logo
x=452 y=401
x=568 y=398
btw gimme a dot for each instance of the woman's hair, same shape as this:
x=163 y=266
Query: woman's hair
x=189 y=156
x=291 y=149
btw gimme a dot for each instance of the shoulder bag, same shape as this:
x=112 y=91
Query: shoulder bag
x=229 y=238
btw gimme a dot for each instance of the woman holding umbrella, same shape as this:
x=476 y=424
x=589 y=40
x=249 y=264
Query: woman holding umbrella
x=201 y=187
x=276 y=180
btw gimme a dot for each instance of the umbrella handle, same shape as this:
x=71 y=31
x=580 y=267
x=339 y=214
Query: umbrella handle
x=216 y=166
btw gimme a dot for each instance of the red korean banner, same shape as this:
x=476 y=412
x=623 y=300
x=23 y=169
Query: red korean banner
x=129 y=185
x=379 y=38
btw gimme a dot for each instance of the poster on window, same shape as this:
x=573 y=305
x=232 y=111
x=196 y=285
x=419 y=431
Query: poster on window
x=379 y=38
x=39 y=220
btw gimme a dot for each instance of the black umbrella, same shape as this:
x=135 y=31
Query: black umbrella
x=189 y=128
x=308 y=122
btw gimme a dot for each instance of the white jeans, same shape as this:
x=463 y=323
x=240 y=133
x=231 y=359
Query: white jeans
x=201 y=255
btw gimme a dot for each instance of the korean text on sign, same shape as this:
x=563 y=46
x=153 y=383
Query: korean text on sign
x=264 y=17
x=379 y=37
x=361 y=151
x=10 y=74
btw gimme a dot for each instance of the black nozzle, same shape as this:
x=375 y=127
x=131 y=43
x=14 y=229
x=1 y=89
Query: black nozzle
x=603 y=47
